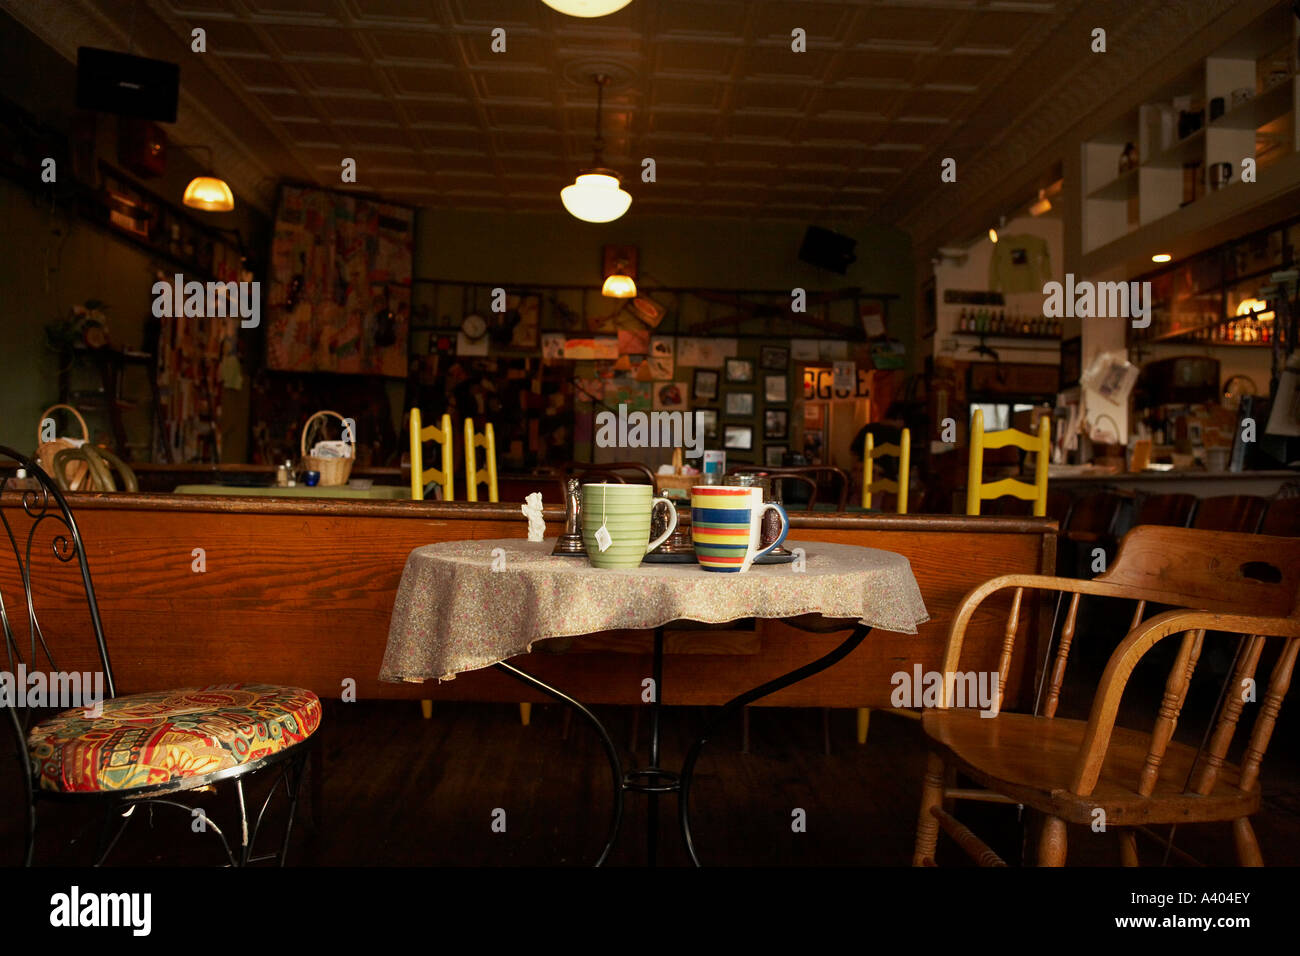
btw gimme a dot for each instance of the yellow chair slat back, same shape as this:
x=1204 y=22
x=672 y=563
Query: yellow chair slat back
x=977 y=490
x=870 y=484
x=421 y=476
x=477 y=476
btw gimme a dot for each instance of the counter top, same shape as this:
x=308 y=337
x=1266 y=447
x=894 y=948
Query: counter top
x=1185 y=475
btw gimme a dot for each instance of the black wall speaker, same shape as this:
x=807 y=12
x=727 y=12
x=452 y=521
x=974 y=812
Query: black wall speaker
x=112 y=82
x=827 y=250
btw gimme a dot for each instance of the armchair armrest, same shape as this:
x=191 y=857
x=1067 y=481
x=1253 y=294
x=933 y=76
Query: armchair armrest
x=1019 y=582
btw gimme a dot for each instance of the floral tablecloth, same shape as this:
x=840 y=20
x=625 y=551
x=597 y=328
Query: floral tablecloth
x=455 y=613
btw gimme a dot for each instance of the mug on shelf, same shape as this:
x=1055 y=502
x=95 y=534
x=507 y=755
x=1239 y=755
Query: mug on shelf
x=727 y=526
x=623 y=512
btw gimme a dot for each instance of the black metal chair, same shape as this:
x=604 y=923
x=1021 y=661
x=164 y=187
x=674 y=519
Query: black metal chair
x=139 y=749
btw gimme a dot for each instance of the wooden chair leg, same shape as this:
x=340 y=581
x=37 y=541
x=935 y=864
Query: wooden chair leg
x=1243 y=834
x=864 y=723
x=927 y=827
x=426 y=708
x=525 y=713
x=1051 y=842
x=1128 y=848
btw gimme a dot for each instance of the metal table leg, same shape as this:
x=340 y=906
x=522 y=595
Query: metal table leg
x=616 y=769
x=653 y=780
x=860 y=631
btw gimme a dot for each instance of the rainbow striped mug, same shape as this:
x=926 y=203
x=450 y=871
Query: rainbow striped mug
x=727 y=526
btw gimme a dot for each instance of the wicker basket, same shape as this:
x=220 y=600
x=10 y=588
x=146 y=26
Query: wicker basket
x=333 y=471
x=680 y=485
x=78 y=476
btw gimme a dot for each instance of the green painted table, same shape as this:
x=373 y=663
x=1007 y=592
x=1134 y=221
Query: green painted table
x=298 y=491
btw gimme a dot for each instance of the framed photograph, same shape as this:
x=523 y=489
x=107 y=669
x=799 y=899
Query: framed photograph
x=705 y=388
x=775 y=388
x=738 y=437
x=707 y=419
x=740 y=370
x=774 y=358
x=776 y=423
x=773 y=455
x=740 y=404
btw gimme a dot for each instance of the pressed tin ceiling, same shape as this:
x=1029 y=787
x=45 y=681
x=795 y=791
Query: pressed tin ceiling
x=738 y=124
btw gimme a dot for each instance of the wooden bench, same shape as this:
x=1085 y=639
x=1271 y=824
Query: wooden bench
x=301 y=592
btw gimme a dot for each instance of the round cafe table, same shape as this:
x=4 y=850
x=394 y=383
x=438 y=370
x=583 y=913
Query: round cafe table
x=466 y=605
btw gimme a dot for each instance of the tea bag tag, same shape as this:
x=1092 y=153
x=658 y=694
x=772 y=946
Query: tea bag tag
x=603 y=538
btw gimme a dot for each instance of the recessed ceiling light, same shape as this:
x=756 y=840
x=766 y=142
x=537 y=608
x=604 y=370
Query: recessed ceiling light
x=1161 y=257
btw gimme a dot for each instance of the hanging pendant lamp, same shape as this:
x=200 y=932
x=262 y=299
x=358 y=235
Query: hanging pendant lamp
x=207 y=192
x=586 y=8
x=597 y=194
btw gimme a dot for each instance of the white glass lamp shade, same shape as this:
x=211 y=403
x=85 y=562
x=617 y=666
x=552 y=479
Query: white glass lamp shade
x=619 y=287
x=586 y=8
x=595 y=197
x=210 y=193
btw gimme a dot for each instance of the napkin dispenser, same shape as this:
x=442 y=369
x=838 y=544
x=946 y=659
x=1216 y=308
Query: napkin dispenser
x=569 y=543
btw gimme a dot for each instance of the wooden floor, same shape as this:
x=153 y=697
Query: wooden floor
x=404 y=791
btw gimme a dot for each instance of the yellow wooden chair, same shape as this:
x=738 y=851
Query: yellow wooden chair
x=977 y=490
x=486 y=476
x=480 y=476
x=421 y=476
x=444 y=477
x=870 y=484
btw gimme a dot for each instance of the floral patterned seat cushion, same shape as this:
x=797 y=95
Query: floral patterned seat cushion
x=144 y=740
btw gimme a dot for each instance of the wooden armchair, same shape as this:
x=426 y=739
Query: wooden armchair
x=1093 y=772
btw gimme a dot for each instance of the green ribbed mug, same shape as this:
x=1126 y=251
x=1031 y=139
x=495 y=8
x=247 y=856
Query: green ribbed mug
x=624 y=510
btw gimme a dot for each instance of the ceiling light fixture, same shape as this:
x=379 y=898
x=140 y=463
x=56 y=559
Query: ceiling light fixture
x=586 y=8
x=993 y=230
x=1040 y=205
x=619 y=287
x=597 y=194
x=1161 y=257
x=620 y=272
x=208 y=192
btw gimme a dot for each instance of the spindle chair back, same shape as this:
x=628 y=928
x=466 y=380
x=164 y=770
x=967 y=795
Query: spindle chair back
x=1077 y=772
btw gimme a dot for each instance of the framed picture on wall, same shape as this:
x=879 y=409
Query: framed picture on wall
x=775 y=388
x=705 y=388
x=738 y=437
x=708 y=421
x=740 y=370
x=774 y=455
x=776 y=423
x=774 y=358
x=740 y=404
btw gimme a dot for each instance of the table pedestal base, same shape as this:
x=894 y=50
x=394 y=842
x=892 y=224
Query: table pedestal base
x=653 y=780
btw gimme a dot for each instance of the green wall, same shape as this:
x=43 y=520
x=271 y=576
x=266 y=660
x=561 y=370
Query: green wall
x=711 y=253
